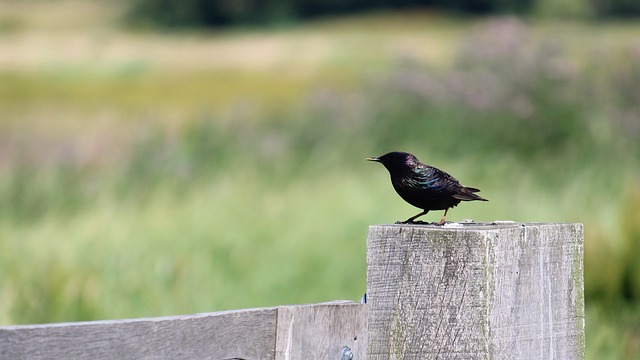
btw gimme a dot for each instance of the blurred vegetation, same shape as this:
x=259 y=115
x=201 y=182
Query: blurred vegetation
x=147 y=175
x=213 y=13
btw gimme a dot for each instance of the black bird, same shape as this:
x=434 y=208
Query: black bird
x=424 y=186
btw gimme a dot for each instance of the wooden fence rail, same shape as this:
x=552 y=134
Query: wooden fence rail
x=462 y=291
x=318 y=331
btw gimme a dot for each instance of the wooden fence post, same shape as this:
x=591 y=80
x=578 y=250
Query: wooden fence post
x=475 y=291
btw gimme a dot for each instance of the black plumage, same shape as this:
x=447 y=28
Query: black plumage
x=424 y=186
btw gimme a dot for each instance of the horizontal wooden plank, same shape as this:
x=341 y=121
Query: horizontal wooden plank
x=242 y=334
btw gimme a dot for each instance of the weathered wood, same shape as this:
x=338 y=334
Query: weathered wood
x=321 y=331
x=455 y=292
x=506 y=291
x=316 y=331
x=245 y=334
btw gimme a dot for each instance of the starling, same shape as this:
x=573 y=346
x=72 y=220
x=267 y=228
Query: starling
x=424 y=186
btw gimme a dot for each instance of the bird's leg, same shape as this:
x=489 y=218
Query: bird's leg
x=444 y=218
x=410 y=220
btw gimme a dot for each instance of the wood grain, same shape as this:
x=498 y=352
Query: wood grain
x=244 y=334
x=321 y=331
x=512 y=291
x=315 y=331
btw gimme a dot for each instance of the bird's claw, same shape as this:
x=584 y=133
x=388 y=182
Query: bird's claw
x=409 y=222
x=417 y=222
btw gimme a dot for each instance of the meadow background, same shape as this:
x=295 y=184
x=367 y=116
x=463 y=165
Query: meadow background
x=153 y=166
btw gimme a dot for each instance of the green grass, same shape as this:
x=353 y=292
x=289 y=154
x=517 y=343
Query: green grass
x=612 y=331
x=160 y=174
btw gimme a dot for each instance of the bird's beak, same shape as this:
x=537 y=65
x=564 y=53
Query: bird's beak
x=373 y=159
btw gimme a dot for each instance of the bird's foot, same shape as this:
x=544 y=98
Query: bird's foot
x=410 y=222
x=417 y=222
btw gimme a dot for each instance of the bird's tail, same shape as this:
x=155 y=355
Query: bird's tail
x=467 y=194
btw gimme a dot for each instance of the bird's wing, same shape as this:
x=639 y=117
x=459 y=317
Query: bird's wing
x=435 y=179
x=438 y=180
